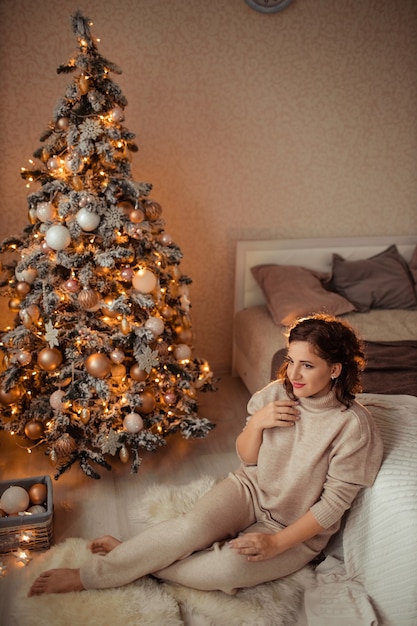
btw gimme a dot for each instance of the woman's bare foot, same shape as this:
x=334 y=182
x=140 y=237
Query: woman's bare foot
x=57 y=581
x=103 y=545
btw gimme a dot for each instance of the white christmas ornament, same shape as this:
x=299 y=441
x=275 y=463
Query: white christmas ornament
x=144 y=281
x=55 y=400
x=133 y=422
x=36 y=509
x=156 y=325
x=182 y=352
x=58 y=237
x=88 y=220
x=45 y=211
x=27 y=276
x=14 y=500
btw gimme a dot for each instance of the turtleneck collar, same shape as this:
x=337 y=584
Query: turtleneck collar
x=328 y=401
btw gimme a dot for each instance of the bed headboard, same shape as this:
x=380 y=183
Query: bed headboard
x=312 y=253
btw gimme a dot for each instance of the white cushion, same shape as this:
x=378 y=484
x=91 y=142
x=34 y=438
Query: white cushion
x=380 y=536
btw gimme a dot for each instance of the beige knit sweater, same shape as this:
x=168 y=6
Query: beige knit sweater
x=320 y=464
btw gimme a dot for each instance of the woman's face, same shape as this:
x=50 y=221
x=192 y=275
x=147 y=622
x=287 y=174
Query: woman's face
x=309 y=374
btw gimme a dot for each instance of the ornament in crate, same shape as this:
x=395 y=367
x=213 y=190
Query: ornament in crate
x=26 y=508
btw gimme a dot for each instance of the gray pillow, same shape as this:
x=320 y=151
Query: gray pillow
x=381 y=282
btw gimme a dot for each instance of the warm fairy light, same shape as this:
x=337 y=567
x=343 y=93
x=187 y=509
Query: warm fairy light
x=23 y=557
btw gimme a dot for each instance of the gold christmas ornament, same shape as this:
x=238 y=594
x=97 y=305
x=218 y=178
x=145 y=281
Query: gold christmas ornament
x=34 y=430
x=11 y=396
x=49 y=359
x=23 y=288
x=38 y=493
x=65 y=445
x=88 y=298
x=117 y=356
x=125 y=326
x=118 y=371
x=98 y=365
x=85 y=415
x=106 y=310
x=152 y=209
x=14 y=304
x=147 y=402
x=136 y=216
x=124 y=454
x=138 y=374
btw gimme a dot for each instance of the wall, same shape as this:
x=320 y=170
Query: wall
x=297 y=124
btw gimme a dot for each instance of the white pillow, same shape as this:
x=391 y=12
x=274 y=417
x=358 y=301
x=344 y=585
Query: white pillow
x=380 y=536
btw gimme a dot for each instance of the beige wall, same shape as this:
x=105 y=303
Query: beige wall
x=250 y=126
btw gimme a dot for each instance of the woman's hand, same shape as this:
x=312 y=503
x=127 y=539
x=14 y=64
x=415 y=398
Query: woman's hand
x=256 y=546
x=275 y=414
x=278 y=413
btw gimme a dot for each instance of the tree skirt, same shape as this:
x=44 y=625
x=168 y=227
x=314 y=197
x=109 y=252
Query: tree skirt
x=148 y=602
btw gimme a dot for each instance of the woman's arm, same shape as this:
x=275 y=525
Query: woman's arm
x=276 y=414
x=261 y=546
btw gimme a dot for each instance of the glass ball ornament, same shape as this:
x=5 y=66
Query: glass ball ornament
x=72 y=285
x=36 y=509
x=58 y=237
x=45 y=211
x=152 y=209
x=156 y=325
x=118 y=371
x=144 y=281
x=49 y=359
x=138 y=374
x=182 y=352
x=53 y=163
x=126 y=273
x=14 y=304
x=11 y=396
x=87 y=220
x=133 y=423
x=88 y=298
x=23 y=289
x=98 y=365
x=117 y=356
x=14 y=500
x=38 y=493
x=24 y=357
x=136 y=216
x=56 y=400
x=64 y=445
x=124 y=454
x=165 y=239
x=27 y=275
x=34 y=430
x=62 y=123
x=170 y=397
x=106 y=307
x=147 y=402
x=117 y=114
x=85 y=415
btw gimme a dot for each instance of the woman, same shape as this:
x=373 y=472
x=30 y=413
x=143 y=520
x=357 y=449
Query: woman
x=306 y=451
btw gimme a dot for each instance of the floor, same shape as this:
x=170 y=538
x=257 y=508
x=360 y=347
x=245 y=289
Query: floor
x=84 y=507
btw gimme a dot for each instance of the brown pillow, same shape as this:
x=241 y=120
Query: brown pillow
x=381 y=282
x=292 y=291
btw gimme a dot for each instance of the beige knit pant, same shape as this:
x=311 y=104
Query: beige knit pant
x=192 y=549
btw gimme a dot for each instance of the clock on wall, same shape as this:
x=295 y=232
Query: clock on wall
x=268 y=6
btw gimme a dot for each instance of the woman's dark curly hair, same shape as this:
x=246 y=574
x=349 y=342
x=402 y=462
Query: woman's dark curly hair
x=335 y=341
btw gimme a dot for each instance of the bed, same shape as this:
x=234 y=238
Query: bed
x=369 y=574
x=300 y=268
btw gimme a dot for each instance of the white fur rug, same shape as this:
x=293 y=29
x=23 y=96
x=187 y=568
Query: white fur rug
x=149 y=603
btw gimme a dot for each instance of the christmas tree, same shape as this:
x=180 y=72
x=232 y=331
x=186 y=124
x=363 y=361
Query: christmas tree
x=100 y=361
